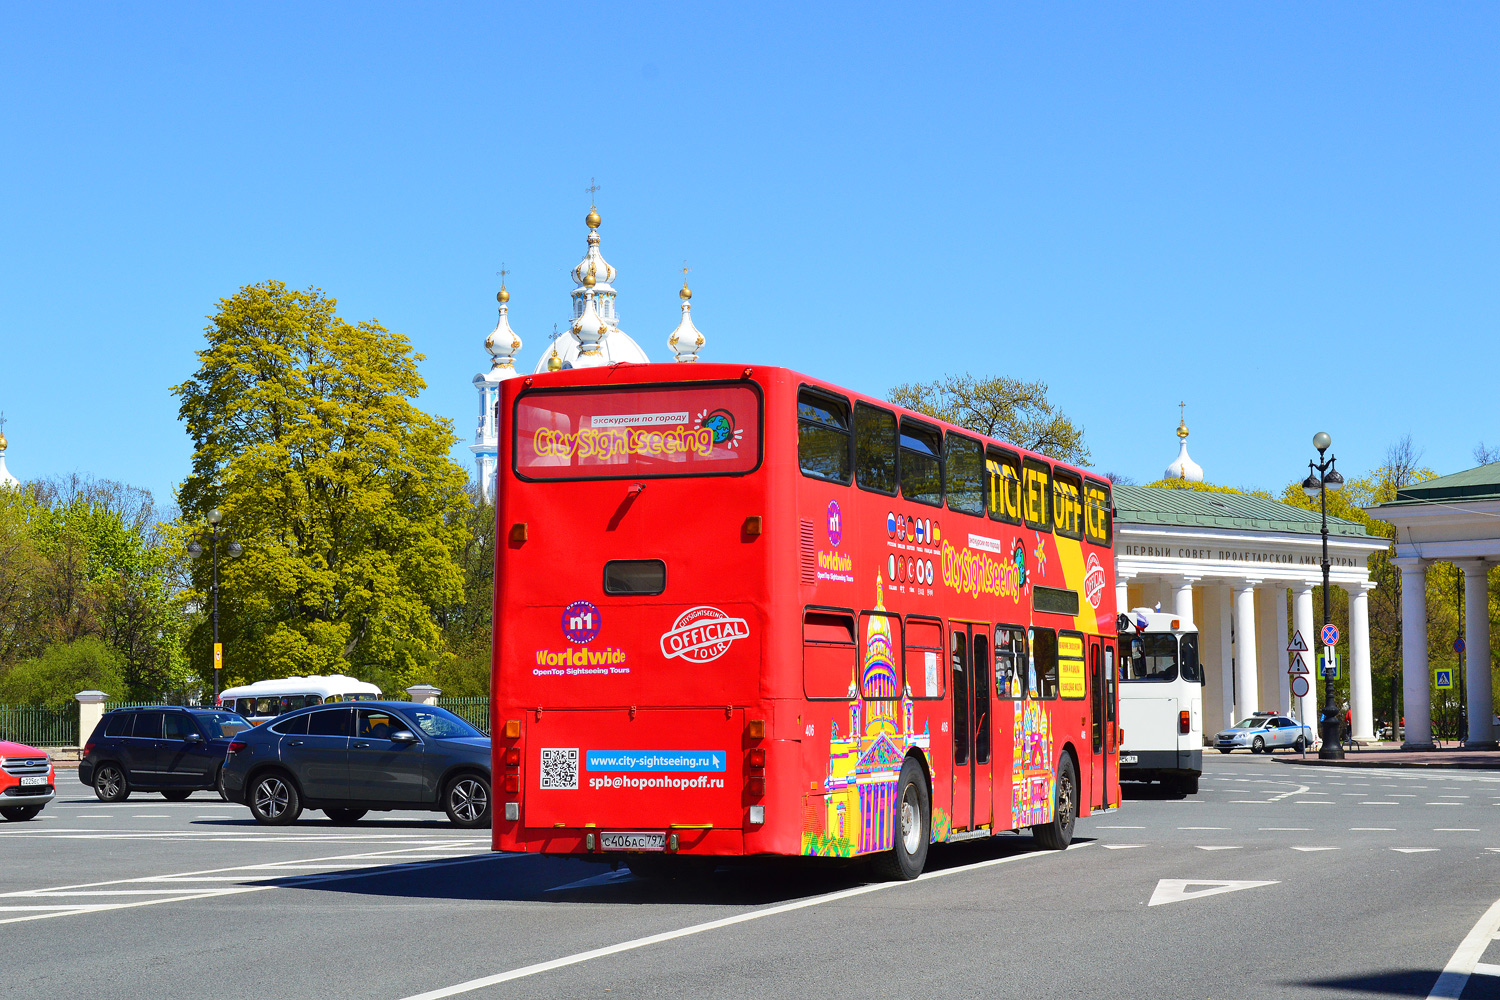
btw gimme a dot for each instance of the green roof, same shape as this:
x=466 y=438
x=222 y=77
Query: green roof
x=1482 y=483
x=1164 y=505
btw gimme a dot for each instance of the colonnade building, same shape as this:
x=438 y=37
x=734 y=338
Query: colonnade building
x=1231 y=563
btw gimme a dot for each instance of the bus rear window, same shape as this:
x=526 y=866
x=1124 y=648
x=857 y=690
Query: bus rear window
x=704 y=429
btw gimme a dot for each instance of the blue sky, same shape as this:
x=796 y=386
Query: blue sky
x=1284 y=214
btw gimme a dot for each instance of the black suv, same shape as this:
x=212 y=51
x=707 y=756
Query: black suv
x=347 y=759
x=166 y=749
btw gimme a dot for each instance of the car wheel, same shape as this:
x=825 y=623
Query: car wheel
x=177 y=794
x=913 y=823
x=17 y=814
x=219 y=785
x=110 y=784
x=1301 y=745
x=345 y=815
x=1258 y=745
x=1058 y=834
x=467 y=801
x=273 y=799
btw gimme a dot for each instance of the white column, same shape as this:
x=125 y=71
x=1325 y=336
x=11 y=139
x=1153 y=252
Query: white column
x=90 y=711
x=1416 y=686
x=1226 y=653
x=1246 y=665
x=1477 y=656
x=1277 y=594
x=1122 y=594
x=1302 y=621
x=1182 y=597
x=1360 y=691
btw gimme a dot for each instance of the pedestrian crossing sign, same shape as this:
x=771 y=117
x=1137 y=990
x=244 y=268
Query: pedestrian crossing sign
x=1328 y=663
x=1442 y=680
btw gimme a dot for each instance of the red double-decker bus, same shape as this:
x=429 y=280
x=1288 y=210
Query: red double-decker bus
x=740 y=611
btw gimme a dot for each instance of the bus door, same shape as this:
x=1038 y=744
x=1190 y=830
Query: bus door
x=969 y=646
x=1099 y=737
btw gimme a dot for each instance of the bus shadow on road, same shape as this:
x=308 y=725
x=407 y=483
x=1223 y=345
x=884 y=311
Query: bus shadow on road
x=542 y=878
x=1149 y=791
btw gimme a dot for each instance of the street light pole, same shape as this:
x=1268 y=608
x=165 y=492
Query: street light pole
x=1321 y=478
x=194 y=550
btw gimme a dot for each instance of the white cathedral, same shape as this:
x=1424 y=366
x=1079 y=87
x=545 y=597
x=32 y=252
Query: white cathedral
x=592 y=339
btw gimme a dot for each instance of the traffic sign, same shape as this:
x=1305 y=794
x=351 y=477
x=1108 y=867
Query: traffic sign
x=1458 y=645
x=1298 y=667
x=1299 y=686
x=1330 y=634
x=1297 y=645
x=1442 y=680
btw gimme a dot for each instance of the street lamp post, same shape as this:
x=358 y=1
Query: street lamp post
x=233 y=549
x=1321 y=478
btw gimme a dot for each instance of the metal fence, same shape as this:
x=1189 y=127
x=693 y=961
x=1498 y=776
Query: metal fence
x=110 y=706
x=39 y=725
x=474 y=711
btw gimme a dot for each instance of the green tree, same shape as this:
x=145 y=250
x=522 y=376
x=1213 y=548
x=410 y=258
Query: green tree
x=339 y=488
x=998 y=407
x=468 y=628
x=64 y=669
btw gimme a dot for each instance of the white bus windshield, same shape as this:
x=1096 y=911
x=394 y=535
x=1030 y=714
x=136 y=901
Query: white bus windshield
x=1156 y=656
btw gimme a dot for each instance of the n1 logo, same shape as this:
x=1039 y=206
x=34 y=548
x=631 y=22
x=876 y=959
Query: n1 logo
x=580 y=622
x=835 y=523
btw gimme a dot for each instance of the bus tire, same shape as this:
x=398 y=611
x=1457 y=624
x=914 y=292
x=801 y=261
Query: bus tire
x=1058 y=834
x=913 y=822
x=1184 y=785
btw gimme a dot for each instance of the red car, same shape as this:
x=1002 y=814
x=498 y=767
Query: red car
x=27 y=780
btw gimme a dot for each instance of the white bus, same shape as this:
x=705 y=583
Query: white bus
x=1161 y=700
x=265 y=700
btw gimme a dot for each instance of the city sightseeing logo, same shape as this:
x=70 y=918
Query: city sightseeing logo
x=702 y=634
x=1093 y=580
x=720 y=425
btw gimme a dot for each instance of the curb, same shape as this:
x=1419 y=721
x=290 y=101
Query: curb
x=1457 y=765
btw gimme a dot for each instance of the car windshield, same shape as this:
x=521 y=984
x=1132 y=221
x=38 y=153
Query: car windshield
x=1151 y=656
x=222 y=725
x=440 y=723
x=1251 y=723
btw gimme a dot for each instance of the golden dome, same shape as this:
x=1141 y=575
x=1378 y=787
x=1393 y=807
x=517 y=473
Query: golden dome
x=554 y=363
x=592 y=219
x=1182 y=430
x=588 y=279
x=686 y=292
x=502 y=296
x=3 y=443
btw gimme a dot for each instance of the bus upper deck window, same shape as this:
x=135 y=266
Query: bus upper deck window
x=875 y=448
x=965 y=468
x=635 y=576
x=823 y=436
x=921 y=463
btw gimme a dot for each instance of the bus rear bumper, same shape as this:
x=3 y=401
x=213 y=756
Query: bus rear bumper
x=588 y=842
x=1149 y=764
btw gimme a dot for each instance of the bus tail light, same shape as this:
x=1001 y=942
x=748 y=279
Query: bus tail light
x=1183 y=723
x=513 y=757
x=512 y=729
x=512 y=783
x=756 y=729
x=757 y=784
x=758 y=757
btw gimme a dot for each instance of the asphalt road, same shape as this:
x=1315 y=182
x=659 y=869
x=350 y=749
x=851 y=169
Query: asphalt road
x=1291 y=881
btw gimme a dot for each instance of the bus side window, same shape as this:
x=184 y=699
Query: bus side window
x=880 y=676
x=823 y=436
x=1003 y=485
x=1067 y=505
x=921 y=463
x=965 y=475
x=924 y=652
x=1189 y=658
x=1036 y=494
x=1097 y=526
x=1041 y=671
x=828 y=655
x=875 y=446
x=1010 y=660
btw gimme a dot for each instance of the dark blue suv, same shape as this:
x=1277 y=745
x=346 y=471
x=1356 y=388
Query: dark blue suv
x=164 y=749
x=347 y=759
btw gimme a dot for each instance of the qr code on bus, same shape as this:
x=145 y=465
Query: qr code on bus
x=559 y=769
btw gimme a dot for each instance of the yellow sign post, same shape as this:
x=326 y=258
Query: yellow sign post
x=218 y=656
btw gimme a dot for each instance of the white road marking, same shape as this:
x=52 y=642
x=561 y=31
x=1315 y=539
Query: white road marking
x=1217 y=847
x=711 y=925
x=1316 y=848
x=1465 y=961
x=1175 y=890
x=605 y=879
x=1415 y=850
x=1486 y=969
x=1121 y=847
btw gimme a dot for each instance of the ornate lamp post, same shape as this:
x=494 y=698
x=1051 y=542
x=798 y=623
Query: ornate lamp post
x=233 y=549
x=1321 y=478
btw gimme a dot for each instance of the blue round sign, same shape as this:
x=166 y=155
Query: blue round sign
x=580 y=622
x=1330 y=634
x=1458 y=645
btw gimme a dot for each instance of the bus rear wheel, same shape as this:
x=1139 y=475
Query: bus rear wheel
x=913 y=827
x=1058 y=834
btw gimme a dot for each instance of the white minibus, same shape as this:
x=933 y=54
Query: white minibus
x=265 y=700
x=1161 y=700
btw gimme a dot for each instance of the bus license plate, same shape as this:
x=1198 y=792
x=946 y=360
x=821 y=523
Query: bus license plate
x=33 y=779
x=632 y=841
x=1128 y=758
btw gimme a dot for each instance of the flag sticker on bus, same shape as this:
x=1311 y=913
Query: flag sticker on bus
x=702 y=634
